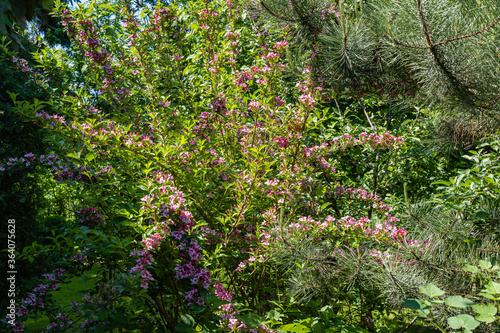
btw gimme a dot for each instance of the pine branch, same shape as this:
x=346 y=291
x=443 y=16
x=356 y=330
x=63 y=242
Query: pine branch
x=469 y=35
x=408 y=45
x=276 y=15
x=437 y=59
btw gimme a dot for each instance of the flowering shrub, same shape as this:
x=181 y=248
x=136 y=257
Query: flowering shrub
x=198 y=170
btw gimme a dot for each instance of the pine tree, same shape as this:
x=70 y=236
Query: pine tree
x=444 y=53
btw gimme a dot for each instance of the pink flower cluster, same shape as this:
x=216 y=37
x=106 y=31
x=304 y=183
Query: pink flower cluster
x=144 y=259
x=55 y=117
x=282 y=142
x=90 y=217
x=330 y=10
x=13 y=162
x=62 y=322
x=388 y=229
x=80 y=257
x=281 y=46
x=22 y=65
x=360 y=194
x=36 y=298
x=62 y=169
x=191 y=253
x=245 y=262
x=160 y=17
x=228 y=310
x=376 y=141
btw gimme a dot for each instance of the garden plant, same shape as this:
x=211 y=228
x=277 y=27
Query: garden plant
x=284 y=166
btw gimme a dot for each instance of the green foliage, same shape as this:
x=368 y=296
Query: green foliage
x=436 y=311
x=210 y=191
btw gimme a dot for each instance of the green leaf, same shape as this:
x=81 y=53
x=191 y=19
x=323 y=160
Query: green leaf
x=75 y=155
x=492 y=288
x=486 y=312
x=481 y=215
x=251 y=319
x=90 y=157
x=463 y=321
x=108 y=7
x=414 y=304
x=12 y=96
x=187 y=320
x=274 y=316
x=472 y=269
x=458 y=302
x=294 y=328
x=484 y=264
x=111 y=32
x=430 y=290
x=320 y=190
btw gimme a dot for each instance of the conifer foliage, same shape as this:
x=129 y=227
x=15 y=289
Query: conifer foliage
x=444 y=52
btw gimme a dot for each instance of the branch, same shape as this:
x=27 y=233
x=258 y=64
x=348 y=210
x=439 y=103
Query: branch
x=451 y=226
x=409 y=325
x=408 y=206
x=469 y=35
x=425 y=28
x=432 y=50
x=276 y=15
x=366 y=114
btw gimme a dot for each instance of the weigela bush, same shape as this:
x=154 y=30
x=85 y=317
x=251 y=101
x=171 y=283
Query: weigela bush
x=196 y=163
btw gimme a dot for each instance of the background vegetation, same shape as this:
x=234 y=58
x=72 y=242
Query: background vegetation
x=273 y=166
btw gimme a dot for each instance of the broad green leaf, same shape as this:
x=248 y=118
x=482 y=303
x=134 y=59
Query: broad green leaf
x=484 y=264
x=492 y=288
x=430 y=290
x=472 y=269
x=251 y=319
x=486 y=295
x=485 y=312
x=108 y=7
x=274 y=316
x=111 y=32
x=90 y=157
x=414 y=304
x=74 y=155
x=481 y=215
x=463 y=321
x=458 y=302
x=294 y=328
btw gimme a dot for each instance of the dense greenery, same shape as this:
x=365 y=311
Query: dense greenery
x=259 y=167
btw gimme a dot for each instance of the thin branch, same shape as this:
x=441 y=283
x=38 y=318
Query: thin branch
x=276 y=15
x=409 y=325
x=367 y=117
x=338 y=108
x=432 y=50
x=408 y=206
x=425 y=28
x=469 y=35
x=451 y=226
